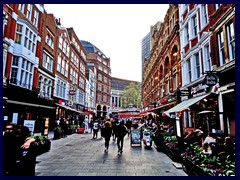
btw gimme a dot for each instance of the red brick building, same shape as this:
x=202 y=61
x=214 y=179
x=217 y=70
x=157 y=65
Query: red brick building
x=103 y=78
x=223 y=27
x=162 y=72
x=22 y=37
x=207 y=37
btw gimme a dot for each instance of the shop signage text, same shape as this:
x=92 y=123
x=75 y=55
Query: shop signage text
x=210 y=79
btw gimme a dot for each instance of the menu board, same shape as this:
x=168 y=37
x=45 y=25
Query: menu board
x=136 y=137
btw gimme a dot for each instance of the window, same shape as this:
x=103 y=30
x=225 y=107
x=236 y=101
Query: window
x=68 y=51
x=30 y=40
x=21 y=72
x=81 y=82
x=207 y=58
x=21 y=8
x=49 y=41
x=167 y=86
x=71 y=74
x=63 y=67
x=99 y=77
x=231 y=41
x=29 y=11
x=64 y=47
x=81 y=98
x=188 y=121
x=174 y=81
x=99 y=97
x=221 y=48
x=184 y=7
x=99 y=87
x=105 y=98
x=204 y=15
x=105 y=89
x=217 y=6
x=18 y=36
x=35 y=18
x=47 y=61
x=61 y=89
x=194 y=25
x=189 y=73
x=66 y=70
x=105 y=79
x=60 y=42
x=59 y=63
x=162 y=92
x=197 y=65
x=186 y=35
x=14 y=70
x=49 y=89
x=45 y=86
x=82 y=68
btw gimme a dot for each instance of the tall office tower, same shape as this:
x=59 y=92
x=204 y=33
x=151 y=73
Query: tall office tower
x=145 y=49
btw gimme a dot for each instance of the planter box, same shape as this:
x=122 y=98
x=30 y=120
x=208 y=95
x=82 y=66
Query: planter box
x=192 y=169
x=174 y=154
x=57 y=134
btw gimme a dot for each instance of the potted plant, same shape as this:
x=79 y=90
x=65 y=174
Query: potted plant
x=170 y=145
x=195 y=162
x=57 y=132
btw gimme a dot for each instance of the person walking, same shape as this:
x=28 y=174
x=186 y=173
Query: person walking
x=63 y=126
x=129 y=125
x=95 y=129
x=91 y=124
x=107 y=134
x=86 y=123
x=114 y=129
x=121 y=132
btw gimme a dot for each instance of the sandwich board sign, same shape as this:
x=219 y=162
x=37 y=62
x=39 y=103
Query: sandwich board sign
x=136 y=137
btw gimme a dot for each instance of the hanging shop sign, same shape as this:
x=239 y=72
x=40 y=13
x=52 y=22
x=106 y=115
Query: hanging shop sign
x=210 y=79
x=72 y=92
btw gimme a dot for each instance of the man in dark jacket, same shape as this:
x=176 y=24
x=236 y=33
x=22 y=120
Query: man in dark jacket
x=107 y=134
x=121 y=132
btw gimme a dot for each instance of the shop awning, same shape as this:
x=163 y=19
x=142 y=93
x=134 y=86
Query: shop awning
x=70 y=109
x=88 y=112
x=184 y=105
x=29 y=104
x=159 y=107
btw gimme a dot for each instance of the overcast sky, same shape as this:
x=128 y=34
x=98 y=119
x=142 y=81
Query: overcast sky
x=116 y=29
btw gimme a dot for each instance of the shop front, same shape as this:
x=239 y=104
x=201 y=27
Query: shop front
x=226 y=99
x=198 y=109
x=69 y=111
x=22 y=105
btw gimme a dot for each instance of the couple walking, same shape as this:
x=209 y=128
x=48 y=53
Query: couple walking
x=121 y=131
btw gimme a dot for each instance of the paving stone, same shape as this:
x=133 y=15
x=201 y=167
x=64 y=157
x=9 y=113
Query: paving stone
x=80 y=155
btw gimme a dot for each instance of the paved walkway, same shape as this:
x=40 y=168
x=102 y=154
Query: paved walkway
x=80 y=155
